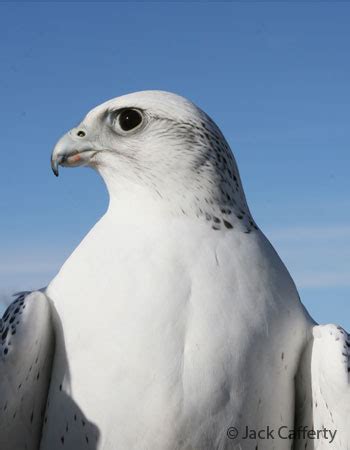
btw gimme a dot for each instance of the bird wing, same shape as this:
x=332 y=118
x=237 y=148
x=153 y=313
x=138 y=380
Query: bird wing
x=323 y=390
x=26 y=351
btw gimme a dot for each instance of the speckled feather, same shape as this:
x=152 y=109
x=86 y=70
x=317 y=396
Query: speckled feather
x=26 y=352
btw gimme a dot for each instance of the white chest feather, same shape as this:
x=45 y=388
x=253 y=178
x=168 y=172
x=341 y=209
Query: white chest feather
x=160 y=330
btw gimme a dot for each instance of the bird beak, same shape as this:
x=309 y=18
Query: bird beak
x=55 y=162
x=71 y=150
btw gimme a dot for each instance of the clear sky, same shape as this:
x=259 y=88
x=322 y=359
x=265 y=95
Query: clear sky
x=274 y=76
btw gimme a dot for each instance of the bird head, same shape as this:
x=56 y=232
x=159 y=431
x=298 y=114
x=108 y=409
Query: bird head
x=161 y=142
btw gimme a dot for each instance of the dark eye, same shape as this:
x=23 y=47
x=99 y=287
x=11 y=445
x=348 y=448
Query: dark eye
x=129 y=119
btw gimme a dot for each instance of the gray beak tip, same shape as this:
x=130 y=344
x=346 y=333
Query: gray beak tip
x=54 y=167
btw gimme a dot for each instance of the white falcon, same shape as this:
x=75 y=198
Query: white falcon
x=174 y=325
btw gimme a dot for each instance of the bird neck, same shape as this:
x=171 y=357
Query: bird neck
x=136 y=200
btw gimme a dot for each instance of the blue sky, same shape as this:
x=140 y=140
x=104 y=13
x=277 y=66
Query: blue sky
x=274 y=76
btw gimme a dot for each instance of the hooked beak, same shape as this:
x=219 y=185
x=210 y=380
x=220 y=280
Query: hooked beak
x=72 y=150
x=55 y=162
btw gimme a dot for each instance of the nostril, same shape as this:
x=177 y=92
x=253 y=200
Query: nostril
x=81 y=133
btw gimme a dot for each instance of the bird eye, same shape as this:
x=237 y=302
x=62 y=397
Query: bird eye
x=129 y=119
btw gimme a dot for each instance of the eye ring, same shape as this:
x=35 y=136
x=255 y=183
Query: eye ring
x=129 y=119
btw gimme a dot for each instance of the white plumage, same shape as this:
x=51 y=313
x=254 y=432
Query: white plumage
x=174 y=320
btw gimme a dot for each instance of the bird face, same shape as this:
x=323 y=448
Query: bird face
x=160 y=142
x=145 y=131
